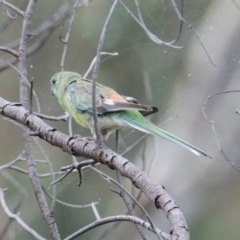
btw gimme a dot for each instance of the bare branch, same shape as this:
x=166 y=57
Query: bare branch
x=111 y=219
x=153 y=37
x=43 y=31
x=95 y=72
x=194 y=31
x=52 y=118
x=63 y=176
x=29 y=85
x=123 y=195
x=125 y=190
x=37 y=187
x=13 y=7
x=51 y=171
x=17 y=218
x=31 y=96
x=95 y=211
x=68 y=34
x=68 y=204
x=94 y=60
x=211 y=122
x=89 y=149
x=9 y=50
x=8 y=165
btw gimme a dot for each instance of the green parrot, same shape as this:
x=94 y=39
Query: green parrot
x=114 y=111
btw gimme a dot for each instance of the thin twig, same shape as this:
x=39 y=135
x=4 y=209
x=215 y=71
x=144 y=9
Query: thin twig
x=150 y=35
x=8 y=165
x=68 y=204
x=121 y=218
x=125 y=190
x=17 y=218
x=153 y=37
x=31 y=96
x=95 y=73
x=65 y=41
x=13 y=7
x=53 y=118
x=152 y=189
x=62 y=177
x=194 y=31
x=43 y=31
x=5 y=229
x=123 y=195
x=94 y=60
x=37 y=186
x=9 y=50
x=51 y=171
x=211 y=122
x=95 y=211
x=27 y=82
x=75 y=167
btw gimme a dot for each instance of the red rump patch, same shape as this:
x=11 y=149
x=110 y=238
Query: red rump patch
x=115 y=96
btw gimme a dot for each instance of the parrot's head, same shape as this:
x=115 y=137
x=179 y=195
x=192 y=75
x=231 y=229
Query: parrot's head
x=60 y=81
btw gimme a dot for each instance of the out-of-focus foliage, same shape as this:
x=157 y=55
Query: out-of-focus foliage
x=180 y=81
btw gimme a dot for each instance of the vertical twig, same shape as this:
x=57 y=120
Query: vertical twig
x=65 y=41
x=95 y=73
x=27 y=139
x=31 y=96
x=124 y=197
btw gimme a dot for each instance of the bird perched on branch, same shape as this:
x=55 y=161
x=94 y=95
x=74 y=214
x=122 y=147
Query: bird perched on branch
x=114 y=111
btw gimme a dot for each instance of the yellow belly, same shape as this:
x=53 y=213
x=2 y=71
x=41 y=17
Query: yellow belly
x=81 y=118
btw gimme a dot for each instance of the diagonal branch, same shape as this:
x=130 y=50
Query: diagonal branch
x=80 y=147
x=13 y=7
x=9 y=50
x=43 y=32
x=17 y=218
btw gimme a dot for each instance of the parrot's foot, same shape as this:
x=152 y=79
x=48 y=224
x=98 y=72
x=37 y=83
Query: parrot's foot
x=77 y=136
x=89 y=139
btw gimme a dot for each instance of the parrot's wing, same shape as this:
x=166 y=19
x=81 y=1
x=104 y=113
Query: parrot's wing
x=144 y=113
x=80 y=96
x=117 y=105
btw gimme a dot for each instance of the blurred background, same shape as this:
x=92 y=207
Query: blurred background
x=177 y=81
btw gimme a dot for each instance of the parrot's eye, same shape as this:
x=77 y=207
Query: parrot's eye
x=54 y=81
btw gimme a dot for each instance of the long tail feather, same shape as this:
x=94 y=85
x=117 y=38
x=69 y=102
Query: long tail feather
x=148 y=127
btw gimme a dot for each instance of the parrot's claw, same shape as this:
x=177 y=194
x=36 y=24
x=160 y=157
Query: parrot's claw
x=77 y=136
x=89 y=139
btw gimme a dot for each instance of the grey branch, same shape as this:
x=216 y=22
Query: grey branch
x=43 y=31
x=111 y=219
x=9 y=50
x=13 y=7
x=80 y=147
x=28 y=147
x=17 y=218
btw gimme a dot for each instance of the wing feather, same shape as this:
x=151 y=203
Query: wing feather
x=107 y=100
